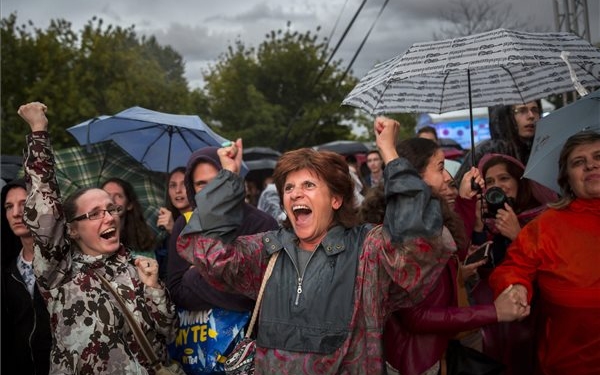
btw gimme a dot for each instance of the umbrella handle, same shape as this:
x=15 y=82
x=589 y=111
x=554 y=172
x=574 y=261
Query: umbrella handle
x=475 y=186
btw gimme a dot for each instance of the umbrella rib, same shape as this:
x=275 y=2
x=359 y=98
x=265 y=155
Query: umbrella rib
x=153 y=125
x=514 y=82
x=189 y=146
x=443 y=89
x=150 y=146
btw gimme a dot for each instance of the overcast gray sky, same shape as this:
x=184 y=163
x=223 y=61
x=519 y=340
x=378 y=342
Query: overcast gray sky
x=201 y=30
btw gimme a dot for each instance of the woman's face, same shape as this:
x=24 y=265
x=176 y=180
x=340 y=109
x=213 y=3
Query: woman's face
x=374 y=162
x=583 y=170
x=450 y=192
x=14 y=205
x=117 y=194
x=99 y=236
x=526 y=116
x=177 y=193
x=309 y=205
x=434 y=173
x=497 y=175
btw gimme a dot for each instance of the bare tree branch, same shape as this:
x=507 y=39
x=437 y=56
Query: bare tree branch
x=468 y=17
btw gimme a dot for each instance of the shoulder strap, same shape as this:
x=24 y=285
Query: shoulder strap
x=133 y=324
x=268 y=272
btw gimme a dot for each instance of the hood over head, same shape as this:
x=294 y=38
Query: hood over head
x=205 y=154
x=543 y=194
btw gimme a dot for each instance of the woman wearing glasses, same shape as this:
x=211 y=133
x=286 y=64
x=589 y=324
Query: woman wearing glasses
x=75 y=243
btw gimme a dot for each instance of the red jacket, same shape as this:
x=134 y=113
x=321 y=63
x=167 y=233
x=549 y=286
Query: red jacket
x=415 y=338
x=558 y=251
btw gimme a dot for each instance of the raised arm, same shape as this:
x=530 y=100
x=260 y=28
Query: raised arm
x=43 y=209
x=410 y=210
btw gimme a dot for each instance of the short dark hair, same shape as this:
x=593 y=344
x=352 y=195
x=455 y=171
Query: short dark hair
x=428 y=129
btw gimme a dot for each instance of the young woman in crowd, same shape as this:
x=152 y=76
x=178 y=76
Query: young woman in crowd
x=76 y=243
x=506 y=204
x=177 y=204
x=416 y=338
x=135 y=232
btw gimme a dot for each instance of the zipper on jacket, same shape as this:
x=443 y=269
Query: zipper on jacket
x=299 y=290
x=33 y=329
x=301 y=277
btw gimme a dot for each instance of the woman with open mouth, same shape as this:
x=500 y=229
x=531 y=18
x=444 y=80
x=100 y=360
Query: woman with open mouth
x=76 y=245
x=335 y=281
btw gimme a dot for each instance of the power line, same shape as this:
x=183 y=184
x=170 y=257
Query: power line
x=362 y=43
x=283 y=142
x=334 y=27
x=339 y=43
x=358 y=50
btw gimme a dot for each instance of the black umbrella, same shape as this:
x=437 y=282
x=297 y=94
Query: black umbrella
x=344 y=147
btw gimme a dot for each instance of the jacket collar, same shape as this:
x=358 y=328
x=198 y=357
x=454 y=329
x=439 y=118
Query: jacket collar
x=332 y=244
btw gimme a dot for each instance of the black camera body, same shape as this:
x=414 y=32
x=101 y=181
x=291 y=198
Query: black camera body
x=495 y=199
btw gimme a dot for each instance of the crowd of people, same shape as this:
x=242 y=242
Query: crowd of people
x=389 y=267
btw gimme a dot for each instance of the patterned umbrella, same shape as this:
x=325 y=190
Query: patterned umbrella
x=492 y=68
x=482 y=70
x=90 y=166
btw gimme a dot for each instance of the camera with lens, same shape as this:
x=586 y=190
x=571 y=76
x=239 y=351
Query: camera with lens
x=495 y=199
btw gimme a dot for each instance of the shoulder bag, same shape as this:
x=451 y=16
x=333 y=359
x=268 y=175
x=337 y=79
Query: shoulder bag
x=171 y=369
x=241 y=358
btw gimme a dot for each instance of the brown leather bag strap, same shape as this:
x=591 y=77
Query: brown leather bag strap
x=268 y=272
x=138 y=333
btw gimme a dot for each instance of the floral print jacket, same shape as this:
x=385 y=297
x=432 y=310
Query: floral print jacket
x=317 y=323
x=91 y=335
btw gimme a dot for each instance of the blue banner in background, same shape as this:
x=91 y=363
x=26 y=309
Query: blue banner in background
x=204 y=339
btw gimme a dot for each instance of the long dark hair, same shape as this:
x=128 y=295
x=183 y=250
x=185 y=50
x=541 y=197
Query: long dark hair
x=525 y=199
x=418 y=152
x=174 y=211
x=331 y=168
x=136 y=233
x=506 y=128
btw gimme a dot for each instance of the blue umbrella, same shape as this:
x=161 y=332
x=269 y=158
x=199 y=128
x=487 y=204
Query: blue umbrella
x=157 y=140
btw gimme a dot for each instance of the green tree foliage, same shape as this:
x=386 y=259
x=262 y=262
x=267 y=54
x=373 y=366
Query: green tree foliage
x=281 y=95
x=79 y=75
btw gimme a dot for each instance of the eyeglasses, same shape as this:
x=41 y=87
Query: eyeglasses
x=525 y=110
x=99 y=214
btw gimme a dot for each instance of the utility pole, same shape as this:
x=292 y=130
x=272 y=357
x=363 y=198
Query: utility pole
x=572 y=16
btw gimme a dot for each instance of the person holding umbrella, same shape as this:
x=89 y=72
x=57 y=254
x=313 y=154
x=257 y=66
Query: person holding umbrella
x=559 y=252
x=335 y=281
x=76 y=251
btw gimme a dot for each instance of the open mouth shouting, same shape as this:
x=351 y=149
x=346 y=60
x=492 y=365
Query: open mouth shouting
x=108 y=234
x=302 y=214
